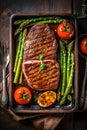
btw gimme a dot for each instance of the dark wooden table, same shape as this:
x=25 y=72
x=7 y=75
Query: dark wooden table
x=73 y=121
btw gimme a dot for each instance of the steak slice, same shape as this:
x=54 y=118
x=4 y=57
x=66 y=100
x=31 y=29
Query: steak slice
x=38 y=79
x=40 y=40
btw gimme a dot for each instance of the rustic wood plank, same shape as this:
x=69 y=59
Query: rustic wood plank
x=66 y=123
x=38 y=6
x=80 y=121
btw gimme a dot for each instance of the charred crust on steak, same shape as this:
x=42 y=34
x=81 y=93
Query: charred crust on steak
x=41 y=39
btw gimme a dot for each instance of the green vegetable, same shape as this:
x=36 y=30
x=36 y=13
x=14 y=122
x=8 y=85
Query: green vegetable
x=42 y=66
x=39 y=20
x=41 y=56
x=18 y=22
x=21 y=77
x=69 y=50
x=69 y=97
x=59 y=93
x=35 y=98
x=70 y=82
x=63 y=69
x=18 y=52
x=18 y=69
x=83 y=9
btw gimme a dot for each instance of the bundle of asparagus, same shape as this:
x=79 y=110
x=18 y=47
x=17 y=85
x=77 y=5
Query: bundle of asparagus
x=19 y=56
x=37 y=20
x=66 y=57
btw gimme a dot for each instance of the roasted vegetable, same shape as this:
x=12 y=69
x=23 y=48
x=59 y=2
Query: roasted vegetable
x=70 y=82
x=63 y=67
x=22 y=95
x=18 y=52
x=19 y=62
x=65 y=60
x=83 y=46
x=69 y=51
x=46 y=99
x=38 y=20
x=65 y=30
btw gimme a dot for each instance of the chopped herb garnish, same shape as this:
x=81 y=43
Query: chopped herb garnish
x=42 y=66
x=35 y=98
x=41 y=56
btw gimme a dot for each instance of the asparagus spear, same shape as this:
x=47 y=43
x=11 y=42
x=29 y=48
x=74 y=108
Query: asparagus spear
x=41 y=20
x=18 y=22
x=59 y=94
x=69 y=85
x=69 y=97
x=17 y=53
x=21 y=77
x=60 y=58
x=63 y=65
x=69 y=50
x=17 y=73
x=33 y=20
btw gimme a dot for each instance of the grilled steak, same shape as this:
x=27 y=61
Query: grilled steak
x=38 y=79
x=40 y=40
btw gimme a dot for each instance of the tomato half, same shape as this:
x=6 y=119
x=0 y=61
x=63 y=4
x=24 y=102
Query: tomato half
x=83 y=46
x=22 y=95
x=65 y=30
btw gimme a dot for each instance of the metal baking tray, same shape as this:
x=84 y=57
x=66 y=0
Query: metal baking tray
x=35 y=108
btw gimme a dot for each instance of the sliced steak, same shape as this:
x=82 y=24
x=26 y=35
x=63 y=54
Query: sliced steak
x=38 y=79
x=40 y=40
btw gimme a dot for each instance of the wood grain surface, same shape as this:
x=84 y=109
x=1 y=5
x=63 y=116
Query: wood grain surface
x=73 y=121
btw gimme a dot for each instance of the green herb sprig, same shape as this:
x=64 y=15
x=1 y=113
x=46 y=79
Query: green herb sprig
x=83 y=9
x=42 y=64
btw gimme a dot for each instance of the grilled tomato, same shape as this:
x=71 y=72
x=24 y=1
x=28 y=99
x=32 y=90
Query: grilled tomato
x=46 y=99
x=65 y=30
x=22 y=95
x=83 y=46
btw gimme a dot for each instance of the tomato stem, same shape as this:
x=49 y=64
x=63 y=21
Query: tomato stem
x=67 y=27
x=24 y=96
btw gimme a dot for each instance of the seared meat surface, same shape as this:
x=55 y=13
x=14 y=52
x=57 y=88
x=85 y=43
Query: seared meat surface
x=40 y=40
x=38 y=79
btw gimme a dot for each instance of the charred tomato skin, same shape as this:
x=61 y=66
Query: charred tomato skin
x=22 y=95
x=65 y=30
x=83 y=46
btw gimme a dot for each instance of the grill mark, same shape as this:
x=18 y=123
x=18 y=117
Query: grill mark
x=33 y=69
x=38 y=27
x=41 y=44
x=39 y=32
x=41 y=40
x=46 y=57
x=43 y=74
x=52 y=85
x=50 y=51
x=39 y=47
x=43 y=78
